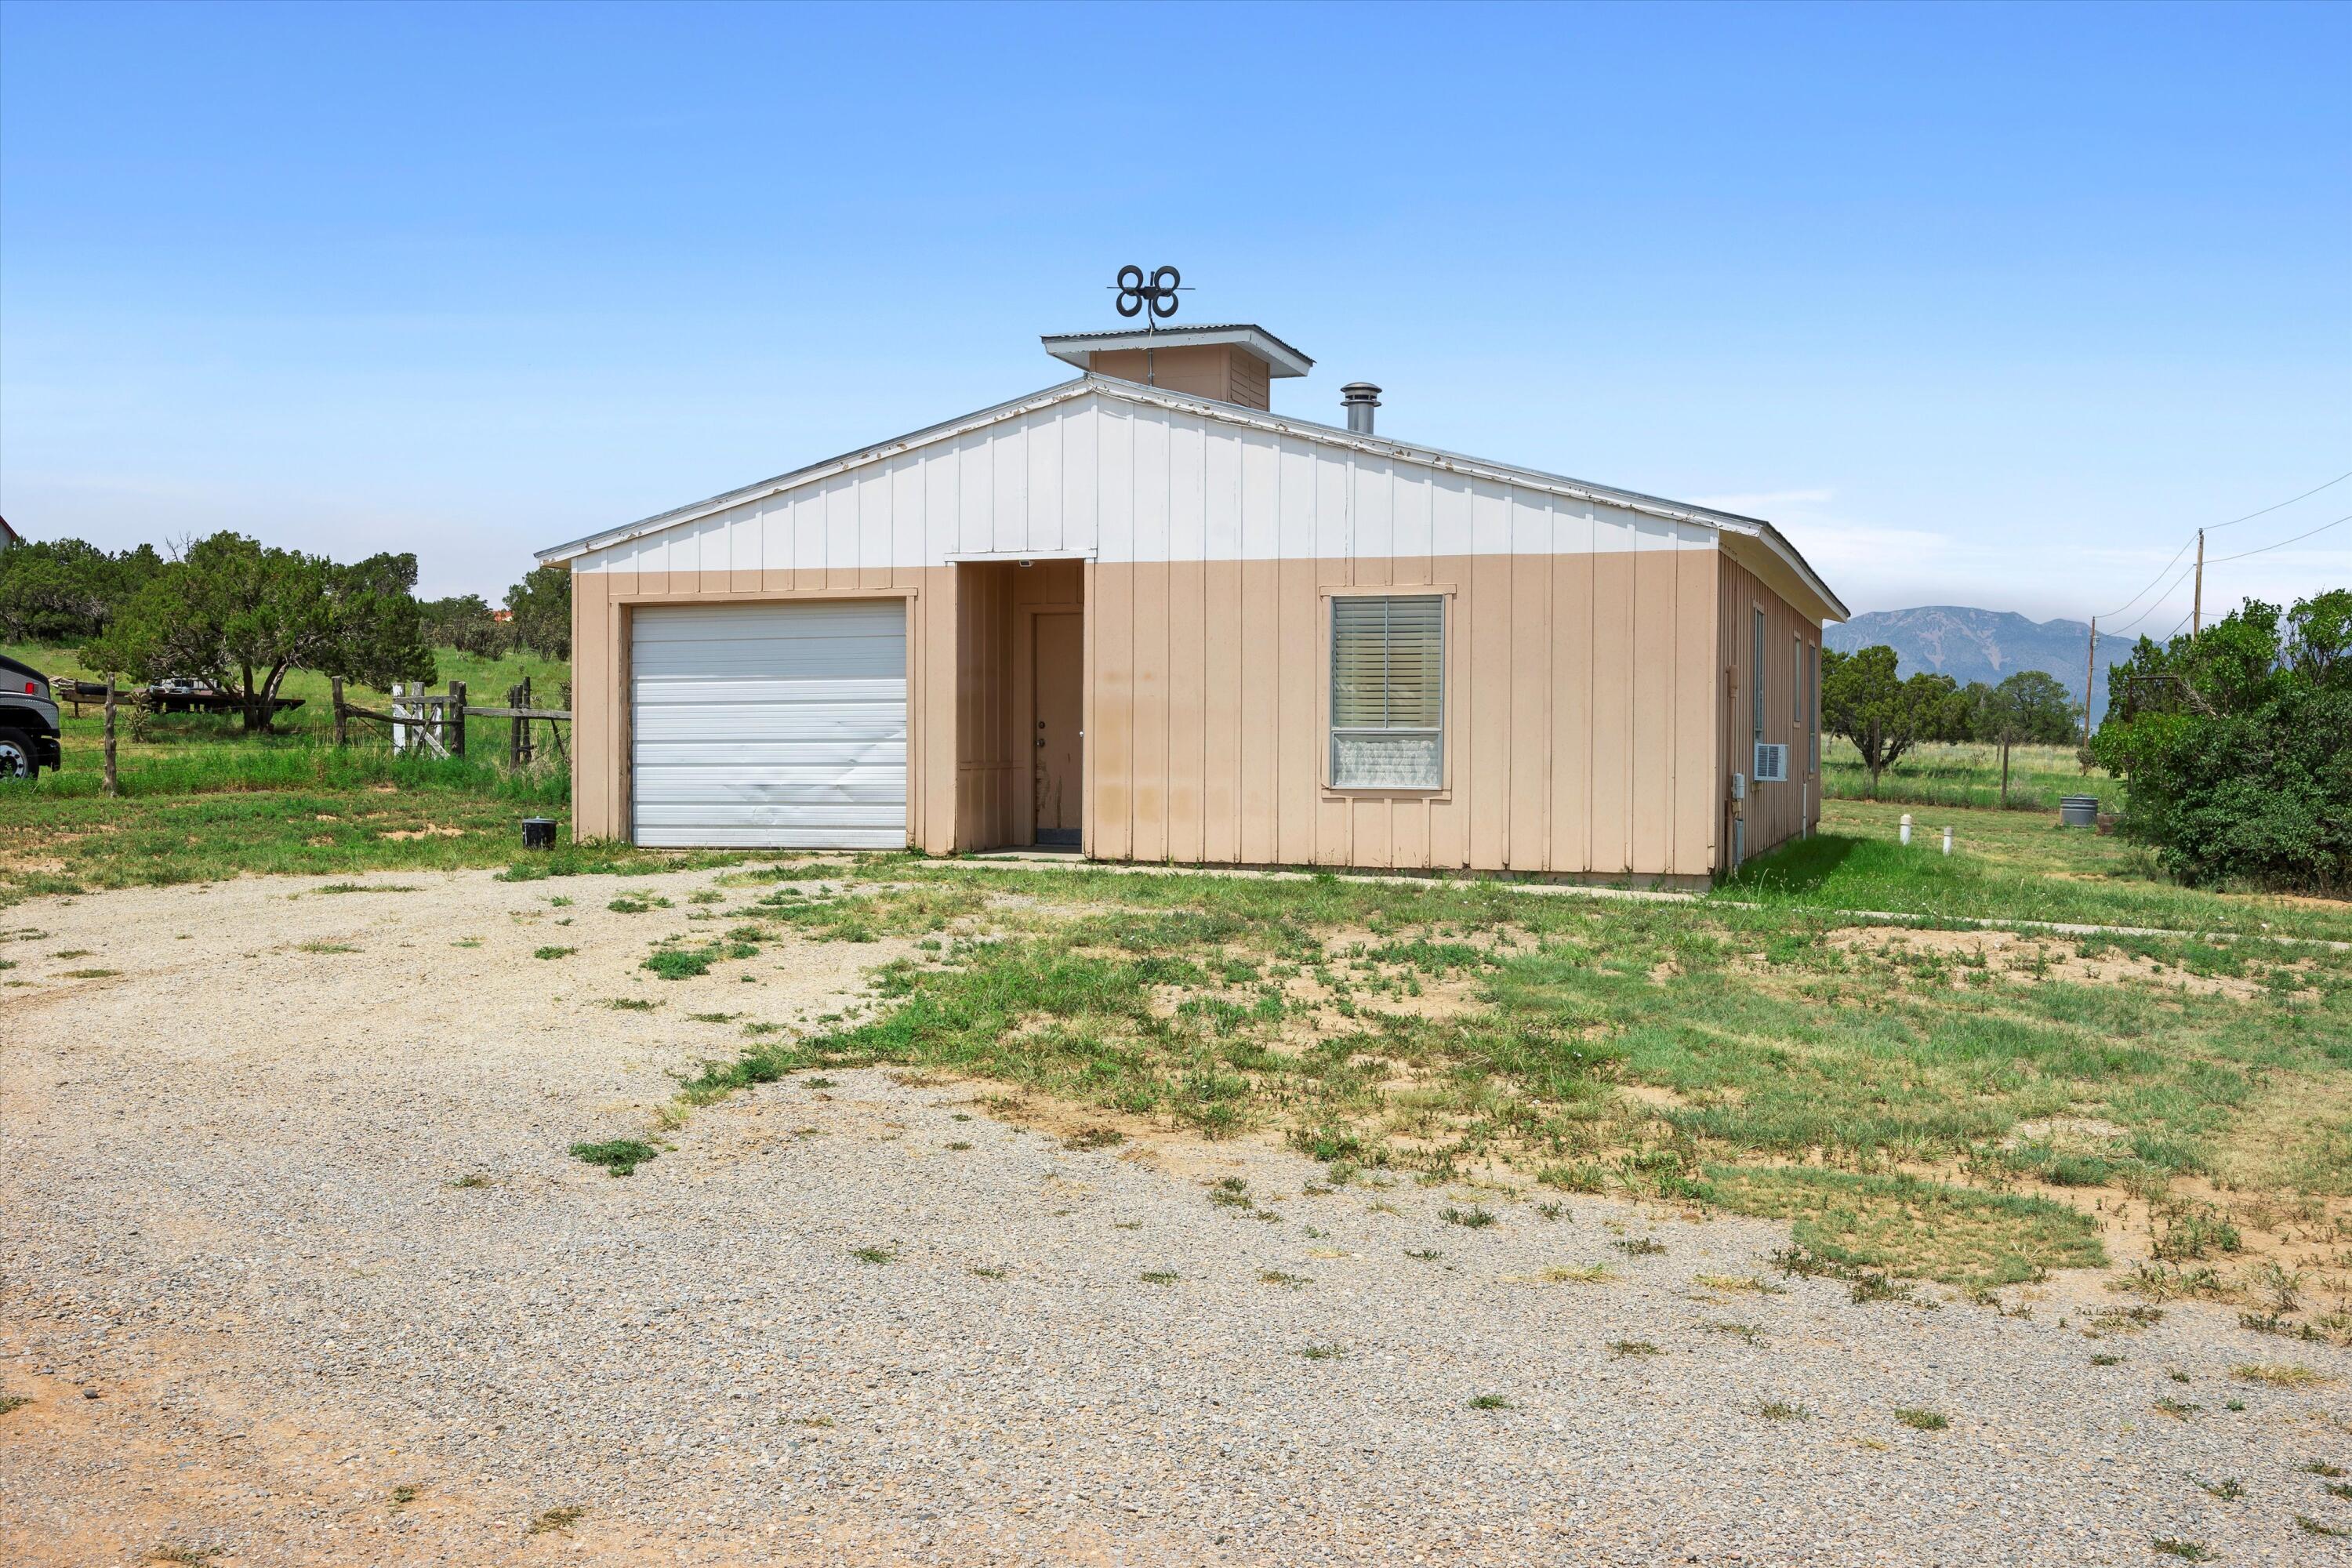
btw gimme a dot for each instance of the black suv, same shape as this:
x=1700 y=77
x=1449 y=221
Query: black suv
x=29 y=722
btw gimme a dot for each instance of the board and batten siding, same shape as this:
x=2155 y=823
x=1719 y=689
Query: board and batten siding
x=1583 y=646
x=1775 y=812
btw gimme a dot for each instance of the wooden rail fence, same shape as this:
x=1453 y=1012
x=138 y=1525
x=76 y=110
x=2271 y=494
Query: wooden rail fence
x=436 y=721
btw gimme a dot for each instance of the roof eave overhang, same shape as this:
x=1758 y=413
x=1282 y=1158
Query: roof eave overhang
x=1281 y=359
x=1763 y=551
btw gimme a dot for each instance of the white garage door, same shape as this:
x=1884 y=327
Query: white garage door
x=770 y=725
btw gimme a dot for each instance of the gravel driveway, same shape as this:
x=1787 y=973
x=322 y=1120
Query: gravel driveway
x=249 y=1300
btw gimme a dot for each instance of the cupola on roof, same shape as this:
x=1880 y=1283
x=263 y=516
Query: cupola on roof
x=1231 y=362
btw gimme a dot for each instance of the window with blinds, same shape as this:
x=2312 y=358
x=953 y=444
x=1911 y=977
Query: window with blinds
x=1388 y=690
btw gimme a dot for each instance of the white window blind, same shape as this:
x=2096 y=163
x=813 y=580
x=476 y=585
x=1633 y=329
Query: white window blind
x=1388 y=691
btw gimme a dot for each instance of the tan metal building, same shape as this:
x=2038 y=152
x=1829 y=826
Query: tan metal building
x=1139 y=614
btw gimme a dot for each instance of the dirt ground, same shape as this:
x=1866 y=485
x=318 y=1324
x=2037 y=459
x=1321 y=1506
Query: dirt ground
x=297 y=1270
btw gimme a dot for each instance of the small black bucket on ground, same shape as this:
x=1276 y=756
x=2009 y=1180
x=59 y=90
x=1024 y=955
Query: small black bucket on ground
x=2078 y=811
x=539 y=832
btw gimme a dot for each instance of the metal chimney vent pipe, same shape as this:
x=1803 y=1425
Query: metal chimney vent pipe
x=1360 y=398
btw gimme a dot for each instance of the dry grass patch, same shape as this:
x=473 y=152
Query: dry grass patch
x=1910 y=1226
x=1565 y=1274
x=2280 y=1375
x=2293 y=1135
x=1965 y=958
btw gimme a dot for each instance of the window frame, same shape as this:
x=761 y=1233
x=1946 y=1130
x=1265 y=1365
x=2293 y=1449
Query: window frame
x=1797 y=680
x=1332 y=789
x=1813 y=707
x=1756 y=677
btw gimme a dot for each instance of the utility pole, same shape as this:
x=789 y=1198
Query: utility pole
x=2090 y=668
x=2196 y=601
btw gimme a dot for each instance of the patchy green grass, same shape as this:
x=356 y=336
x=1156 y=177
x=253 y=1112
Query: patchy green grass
x=618 y=1156
x=1889 y=1097
x=1911 y=1107
x=203 y=801
x=2007 y=866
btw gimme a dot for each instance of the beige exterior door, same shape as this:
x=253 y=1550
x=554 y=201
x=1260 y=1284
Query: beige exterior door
x=1058 y=661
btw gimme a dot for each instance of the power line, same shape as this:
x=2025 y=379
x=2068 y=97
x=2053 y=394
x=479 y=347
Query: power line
x=2242 y=555
x=2177 y=554
x=2152 y=582
x=2266 y=510
x=2161 y=599
x=2153 y=606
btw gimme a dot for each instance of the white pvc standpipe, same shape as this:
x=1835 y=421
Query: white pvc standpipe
x=1906 y=827
x=1947 y=841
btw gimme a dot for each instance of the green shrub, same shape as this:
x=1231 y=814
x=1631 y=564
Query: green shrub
x=2233 y=743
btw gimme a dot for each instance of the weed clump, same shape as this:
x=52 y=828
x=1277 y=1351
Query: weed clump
x=618 y=1156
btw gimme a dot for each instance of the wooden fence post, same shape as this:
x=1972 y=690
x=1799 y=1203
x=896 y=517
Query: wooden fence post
x=335 y=685
x=456 y=719
x=111 y=786
x=522 y=728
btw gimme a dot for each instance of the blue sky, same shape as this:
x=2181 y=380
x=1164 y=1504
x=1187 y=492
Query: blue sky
x=1985 y=306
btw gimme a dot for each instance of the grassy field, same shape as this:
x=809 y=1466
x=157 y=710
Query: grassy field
x=1915 y=1099
x=2006 y=865
x=1969 y=774
x=189 y=753
x=201 y=800
x=1974 y=1108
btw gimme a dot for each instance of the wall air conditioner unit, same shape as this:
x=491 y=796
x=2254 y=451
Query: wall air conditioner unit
x=1772 y=761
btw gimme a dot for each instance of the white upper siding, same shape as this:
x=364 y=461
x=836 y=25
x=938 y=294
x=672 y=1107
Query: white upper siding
x=1134 y=480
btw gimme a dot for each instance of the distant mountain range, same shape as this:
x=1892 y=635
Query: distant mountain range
x=1981 y=645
